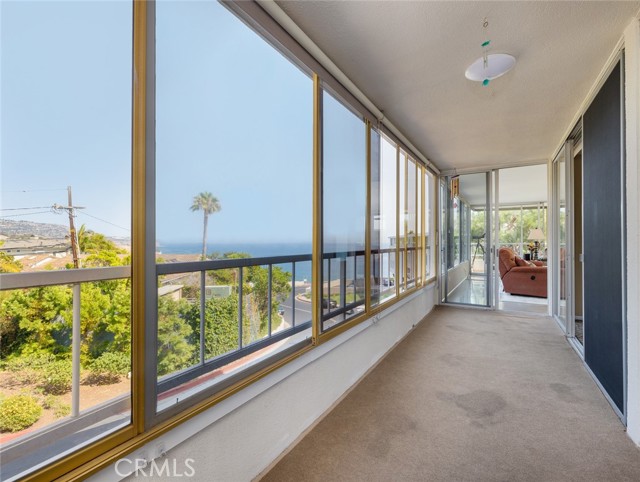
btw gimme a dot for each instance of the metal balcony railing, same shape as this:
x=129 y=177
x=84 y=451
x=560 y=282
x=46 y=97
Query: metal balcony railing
x=205 y=365
x=75 y=278
x=349 y=277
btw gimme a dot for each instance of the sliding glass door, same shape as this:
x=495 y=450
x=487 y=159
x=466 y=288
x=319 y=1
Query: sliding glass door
x=562 y=235
x=465 y=248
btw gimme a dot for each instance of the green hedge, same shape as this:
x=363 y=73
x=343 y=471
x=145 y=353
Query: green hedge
x=18 y=412
x=108 y=368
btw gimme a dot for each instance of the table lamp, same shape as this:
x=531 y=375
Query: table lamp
x=536 y=235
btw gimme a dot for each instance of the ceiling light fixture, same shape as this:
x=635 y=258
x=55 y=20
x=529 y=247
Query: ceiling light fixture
x=489 y=66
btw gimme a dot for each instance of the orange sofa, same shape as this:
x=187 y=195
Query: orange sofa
x=519 y=277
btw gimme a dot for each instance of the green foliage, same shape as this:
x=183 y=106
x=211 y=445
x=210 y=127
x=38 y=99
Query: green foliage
x=221 y=325
x=8 y=264
x=102 y=252
x=35 y=319
x=29 y=369
x=108 y=368
x=515 y=228
x=259 y=278
x=175 y=350
x=39 y=319
x=106 y=318
x=59 y=408
x=18 y=412
x=56 y=377
x=92 y=242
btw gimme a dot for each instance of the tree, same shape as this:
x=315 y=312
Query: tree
x=8 y=264
x=175 y=352
x=92 y=242
x=208 y=204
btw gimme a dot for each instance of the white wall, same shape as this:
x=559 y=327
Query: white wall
x=240 y=437
x=457 y=275
x=632 y=100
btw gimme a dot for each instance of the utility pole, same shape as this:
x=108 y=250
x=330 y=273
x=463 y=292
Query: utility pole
x=72 y=229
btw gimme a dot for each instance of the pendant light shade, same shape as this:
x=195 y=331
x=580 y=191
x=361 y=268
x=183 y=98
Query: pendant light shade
x=495 y=66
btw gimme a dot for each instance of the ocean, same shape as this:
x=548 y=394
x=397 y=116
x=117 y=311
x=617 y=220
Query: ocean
x=255 y=250
x=260 y=250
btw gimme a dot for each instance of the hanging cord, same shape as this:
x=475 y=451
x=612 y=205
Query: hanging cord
x=485 y=48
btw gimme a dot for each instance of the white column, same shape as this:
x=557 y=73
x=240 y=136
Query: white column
x=75 y=353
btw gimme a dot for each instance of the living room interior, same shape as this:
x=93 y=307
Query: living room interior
x=517 y=233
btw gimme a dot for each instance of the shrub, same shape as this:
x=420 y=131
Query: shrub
x=59 y=408
x=56 y=378
x=28 y=369
x=108 y=368
x=18 y=412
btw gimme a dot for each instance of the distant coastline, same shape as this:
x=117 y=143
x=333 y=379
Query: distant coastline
x=255 y=250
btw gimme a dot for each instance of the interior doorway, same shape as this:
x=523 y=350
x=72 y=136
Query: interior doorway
x=521 y=239
x=466 y=267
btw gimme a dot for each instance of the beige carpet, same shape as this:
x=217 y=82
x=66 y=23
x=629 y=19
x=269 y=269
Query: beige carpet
x=470 y=396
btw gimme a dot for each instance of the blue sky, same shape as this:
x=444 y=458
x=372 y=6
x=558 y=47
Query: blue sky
x=65 y=108
x=234 y=117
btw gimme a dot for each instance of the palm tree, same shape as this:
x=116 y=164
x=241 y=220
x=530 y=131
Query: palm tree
x=208 y=204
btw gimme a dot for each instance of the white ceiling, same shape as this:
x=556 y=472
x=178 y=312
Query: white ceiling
x=409 y=58
x=517 y=185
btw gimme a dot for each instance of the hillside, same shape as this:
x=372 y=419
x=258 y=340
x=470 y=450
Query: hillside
x=17 y=229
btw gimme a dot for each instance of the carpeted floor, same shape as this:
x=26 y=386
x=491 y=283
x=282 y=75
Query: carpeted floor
x=470 y=396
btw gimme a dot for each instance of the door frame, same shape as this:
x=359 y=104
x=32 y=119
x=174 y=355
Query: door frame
x=445 y=214
x=565 y=154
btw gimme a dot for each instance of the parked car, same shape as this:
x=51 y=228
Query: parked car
x=328 y=304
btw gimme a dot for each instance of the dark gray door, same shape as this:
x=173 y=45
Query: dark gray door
x=603 y=238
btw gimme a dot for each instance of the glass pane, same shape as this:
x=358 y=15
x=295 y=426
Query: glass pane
x=375 y=168
x=230 y=190
x=562 y=237
x=478 y=240
x=403 y=211
x=454 y=242
x=511 y=235
x=343 y=210
x=66 y=203
x=383 y=235
x=410 y=223
x=467 y=284
x=430 y=225
x=445 y=252
x=420 y=230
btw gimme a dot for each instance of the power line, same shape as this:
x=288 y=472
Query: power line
x=35 y=190
x=24 y=214
x=103 y=220
x=24 y=209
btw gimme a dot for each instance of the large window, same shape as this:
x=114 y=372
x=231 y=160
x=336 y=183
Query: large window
x=516 y=226
x=161 y=230
x=65 y=304
x=233 y=199
x=411 y=223
x=344 y=208
x=383 y=230
x=430 y=224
